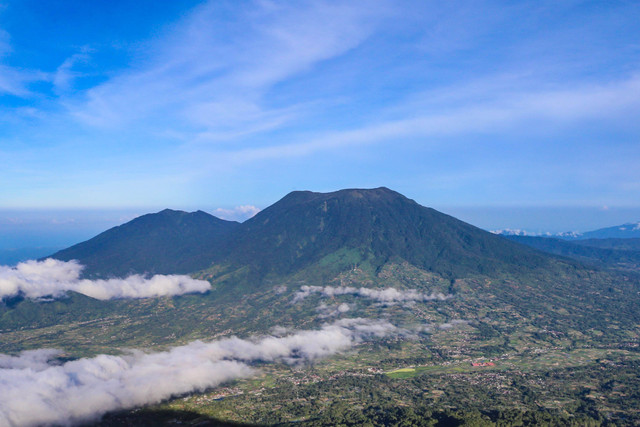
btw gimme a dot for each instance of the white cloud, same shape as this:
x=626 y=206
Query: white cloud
x=229 y=93
x=387 y=295
x=239 y=213
x=53 y=278
x=221 y=63
x=14 y=81
x=455 y=115
x=65 y=75
x=453 y=323
x=35 y=391
x=325 y=310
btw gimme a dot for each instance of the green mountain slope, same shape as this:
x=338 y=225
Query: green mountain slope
x=165 y=242
x=349 y=227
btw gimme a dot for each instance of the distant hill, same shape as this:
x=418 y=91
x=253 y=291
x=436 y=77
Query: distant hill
x=604 y=252
x=165 y=242
x=624 y=231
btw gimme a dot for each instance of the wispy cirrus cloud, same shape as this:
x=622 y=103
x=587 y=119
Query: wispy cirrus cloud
x=211 y=72
x=15 y=81
x=66 y=74
x=490 y=113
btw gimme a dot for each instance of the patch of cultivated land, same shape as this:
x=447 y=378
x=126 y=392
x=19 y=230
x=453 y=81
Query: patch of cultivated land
x=557 y=379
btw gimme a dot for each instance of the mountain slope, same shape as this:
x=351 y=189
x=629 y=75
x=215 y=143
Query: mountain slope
x=165 y=242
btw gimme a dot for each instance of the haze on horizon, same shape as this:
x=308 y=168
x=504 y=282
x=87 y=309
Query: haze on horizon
x=505 y=115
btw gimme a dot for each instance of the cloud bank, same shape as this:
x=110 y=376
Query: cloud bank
x=34 y=390
x=53 y=278
x=388 y=295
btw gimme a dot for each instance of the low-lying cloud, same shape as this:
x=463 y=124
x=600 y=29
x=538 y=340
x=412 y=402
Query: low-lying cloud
x=34 y=390
x=454 y=323
x=387 y=295
x=53 y=278
x=325 y=310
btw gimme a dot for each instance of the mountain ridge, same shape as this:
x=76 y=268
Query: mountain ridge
x=627 y=230
x=372 y=226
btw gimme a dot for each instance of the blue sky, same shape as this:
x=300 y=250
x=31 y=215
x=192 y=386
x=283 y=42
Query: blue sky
x=143 y=105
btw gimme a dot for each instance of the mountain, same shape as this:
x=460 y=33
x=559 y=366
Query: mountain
x=513 y=232
x=333 y=231
x=165 y=242
x=358 y=237
x=365 y=226
x=624 y=231
x=479 y=323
